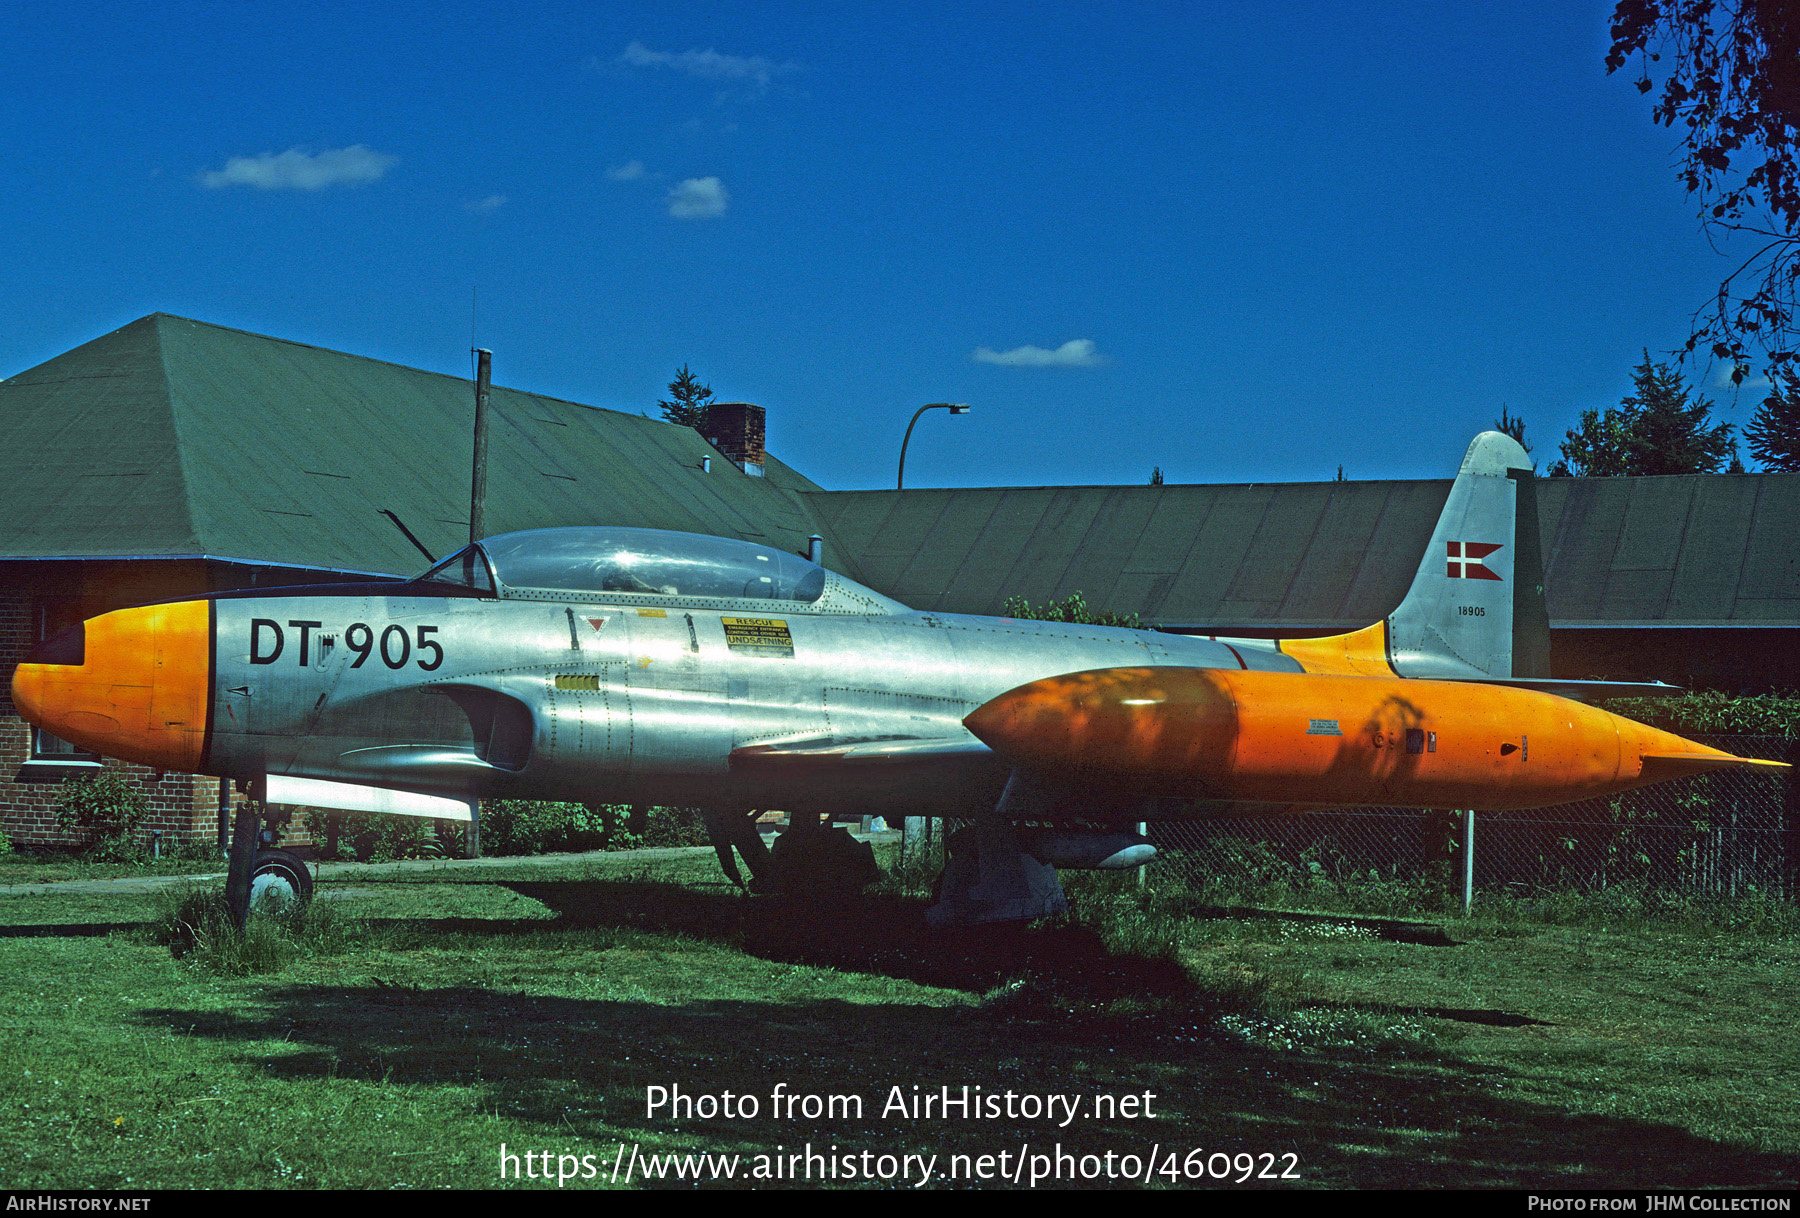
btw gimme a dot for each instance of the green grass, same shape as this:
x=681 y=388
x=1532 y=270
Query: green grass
x=398 y=1035
x=53 y=866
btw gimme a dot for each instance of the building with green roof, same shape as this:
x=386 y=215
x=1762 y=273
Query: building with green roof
x=173 y=457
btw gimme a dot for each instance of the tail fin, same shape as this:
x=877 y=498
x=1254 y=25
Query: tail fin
x=1476 y=605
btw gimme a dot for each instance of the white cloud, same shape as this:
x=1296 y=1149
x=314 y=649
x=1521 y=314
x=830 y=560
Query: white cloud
x=296 y=170
x=1076 y=353
x=698 y=199
x=483 y=206
x=708 y=64
x=1723 y=379
x=630 y=171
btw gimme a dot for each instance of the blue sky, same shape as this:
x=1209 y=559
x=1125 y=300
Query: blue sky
x=1237 y=242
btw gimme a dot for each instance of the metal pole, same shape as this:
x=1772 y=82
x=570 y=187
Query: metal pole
x=1468 y=860
x=952 y=407
x=1143 y=830
x=484 y=363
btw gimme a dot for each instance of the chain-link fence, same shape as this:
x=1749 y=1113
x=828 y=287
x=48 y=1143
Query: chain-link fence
x=1717 y=837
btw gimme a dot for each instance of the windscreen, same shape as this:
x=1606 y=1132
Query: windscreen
x=651 y=562
x=464 y=569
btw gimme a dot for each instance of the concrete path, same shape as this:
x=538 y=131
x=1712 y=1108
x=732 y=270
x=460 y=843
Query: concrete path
x=326 y=873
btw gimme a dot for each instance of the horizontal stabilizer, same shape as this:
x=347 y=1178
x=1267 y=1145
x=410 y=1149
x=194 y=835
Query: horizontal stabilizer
x=1674 y=765
x=1581 y=691
x=807 y=754
x=350 y=797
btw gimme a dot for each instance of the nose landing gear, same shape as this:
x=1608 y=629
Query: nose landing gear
x=260 y=877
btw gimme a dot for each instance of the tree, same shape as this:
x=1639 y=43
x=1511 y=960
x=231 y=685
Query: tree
x=1733 y=81
x=690 y=400
x=1156 y=478
x=1512 y=425
x=1071 y=608
x=1654 y=430
x=1774 y=431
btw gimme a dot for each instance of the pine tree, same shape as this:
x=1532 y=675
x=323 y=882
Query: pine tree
x=1512 y=425
x=1597 y=447
x=1654 y=430
x=690 y=400
x=1669 y=433
x=1774 y=431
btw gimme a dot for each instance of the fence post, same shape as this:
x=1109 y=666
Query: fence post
x=1468 y=860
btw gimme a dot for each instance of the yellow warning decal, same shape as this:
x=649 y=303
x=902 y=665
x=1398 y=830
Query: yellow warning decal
x=653 y=613
x=767 y=637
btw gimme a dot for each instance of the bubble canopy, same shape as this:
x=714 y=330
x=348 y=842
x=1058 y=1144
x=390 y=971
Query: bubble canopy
x=639 y=562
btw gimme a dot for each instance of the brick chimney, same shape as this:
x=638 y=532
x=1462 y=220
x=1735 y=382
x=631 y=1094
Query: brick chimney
x=736 y=430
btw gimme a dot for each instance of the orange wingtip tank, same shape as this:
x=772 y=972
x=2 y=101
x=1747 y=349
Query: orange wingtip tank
x=131 y=684
x=1300 y=738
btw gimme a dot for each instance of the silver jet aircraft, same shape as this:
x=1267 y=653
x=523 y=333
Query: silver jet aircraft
x=624 y=665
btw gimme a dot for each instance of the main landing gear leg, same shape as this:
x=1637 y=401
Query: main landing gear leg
x=258 y=875
x=729 y=830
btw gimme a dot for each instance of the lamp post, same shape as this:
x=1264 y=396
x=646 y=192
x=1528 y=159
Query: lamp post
x=952 y=407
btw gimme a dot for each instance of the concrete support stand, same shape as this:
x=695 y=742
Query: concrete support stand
x=998 y=881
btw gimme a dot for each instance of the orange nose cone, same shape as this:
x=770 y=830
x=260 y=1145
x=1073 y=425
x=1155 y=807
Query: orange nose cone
x=132 y=684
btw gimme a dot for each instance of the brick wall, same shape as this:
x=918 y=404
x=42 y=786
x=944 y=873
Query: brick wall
x=736 y=430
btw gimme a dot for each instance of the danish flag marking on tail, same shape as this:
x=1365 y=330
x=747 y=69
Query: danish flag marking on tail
x=1464 y=560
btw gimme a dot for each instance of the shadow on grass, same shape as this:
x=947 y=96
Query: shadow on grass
x=578 y=1068
x=67 y=930
x=885 y=935
x=1488 y=1016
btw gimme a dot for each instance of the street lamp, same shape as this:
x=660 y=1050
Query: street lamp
x=952 y=407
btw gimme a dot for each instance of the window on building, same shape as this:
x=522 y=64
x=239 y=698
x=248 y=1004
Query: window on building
x=54 y=616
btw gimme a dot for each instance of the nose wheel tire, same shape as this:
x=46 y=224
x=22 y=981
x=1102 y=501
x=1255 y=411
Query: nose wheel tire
x=279 y=879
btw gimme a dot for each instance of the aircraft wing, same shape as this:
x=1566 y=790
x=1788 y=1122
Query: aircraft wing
x=820 y=755
x=1579 y=691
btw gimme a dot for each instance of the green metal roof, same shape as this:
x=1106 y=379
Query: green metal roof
x=173 y=437
x=1699 y=550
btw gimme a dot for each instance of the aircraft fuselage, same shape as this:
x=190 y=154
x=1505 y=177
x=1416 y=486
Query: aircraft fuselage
x=629 y=703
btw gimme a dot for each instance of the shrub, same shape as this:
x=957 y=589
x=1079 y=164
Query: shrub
x=1710 y=712
x=195 y=923
x=534 y=826
x=106 y=810
x=373 y=838
x=1072 y=608
x=537 y=826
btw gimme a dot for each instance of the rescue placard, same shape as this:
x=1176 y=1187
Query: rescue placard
x=767 y=637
